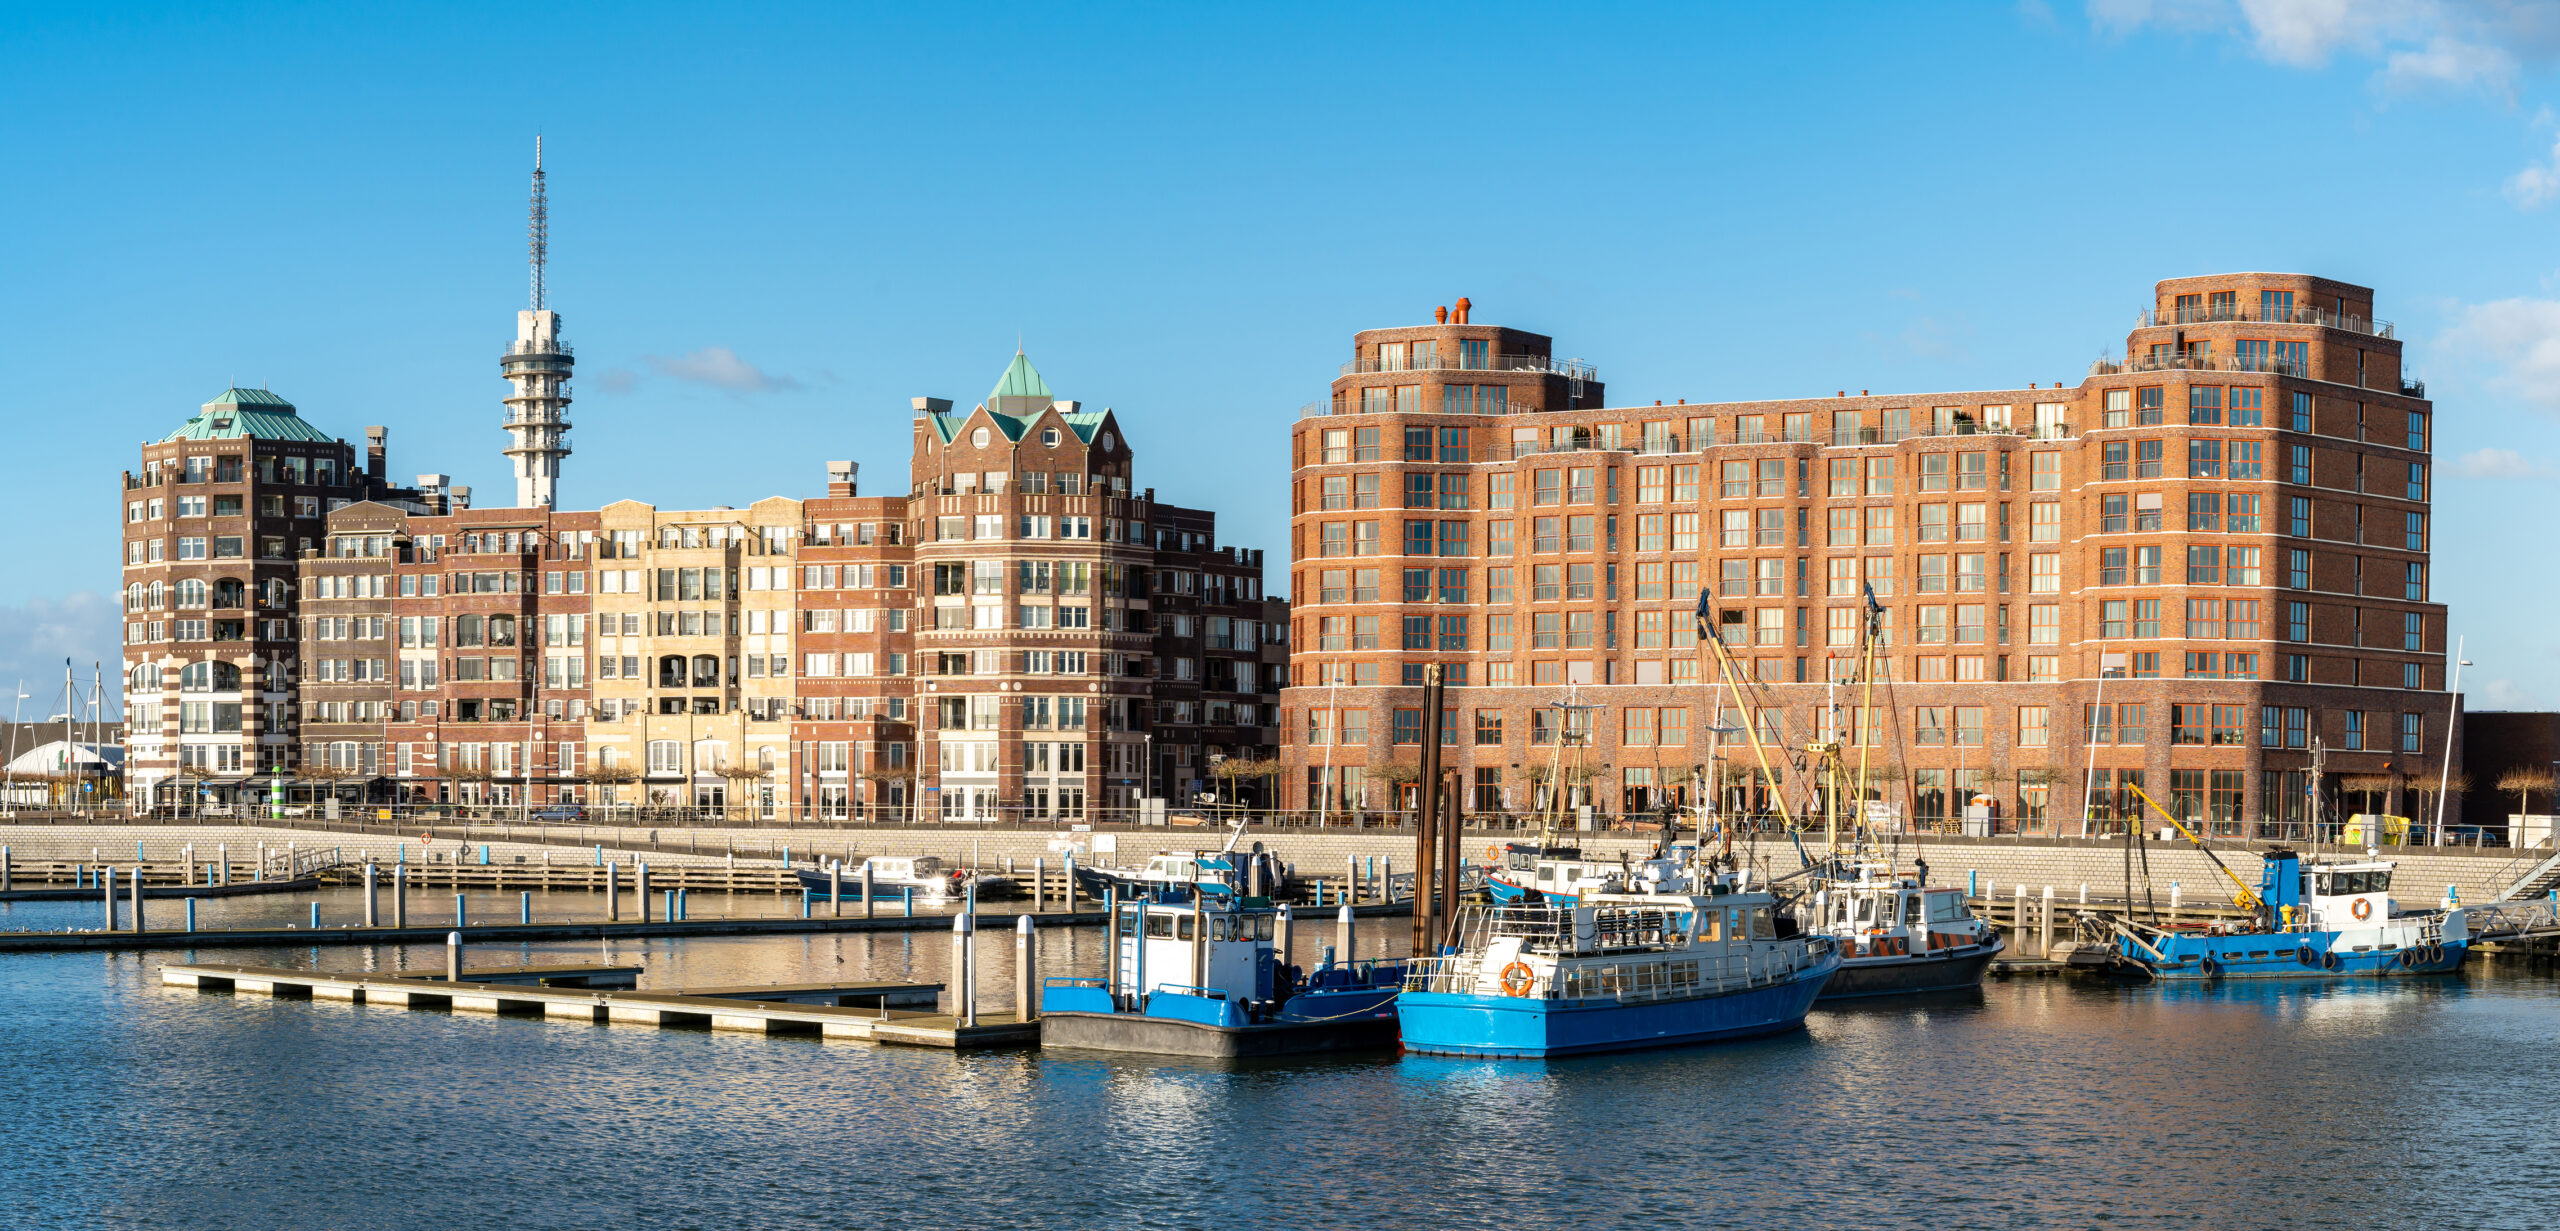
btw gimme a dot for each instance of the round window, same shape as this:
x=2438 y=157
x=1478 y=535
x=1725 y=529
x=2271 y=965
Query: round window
x=1107 y=444
x=979 y=438
x=1049 y=437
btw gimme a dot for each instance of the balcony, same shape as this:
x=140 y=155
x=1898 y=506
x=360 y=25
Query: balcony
x=2259 y=314
x=1570 y=369
x=2191 y=361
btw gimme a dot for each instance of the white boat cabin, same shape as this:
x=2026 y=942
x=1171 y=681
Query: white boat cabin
x=1626 y=946
x=2345 y=896
x=1187 y=948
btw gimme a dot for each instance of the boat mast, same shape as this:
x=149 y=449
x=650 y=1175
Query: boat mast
x=1750 y=724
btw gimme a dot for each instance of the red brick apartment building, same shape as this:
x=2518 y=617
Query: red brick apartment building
x=1022 y=633
x=2181 y=574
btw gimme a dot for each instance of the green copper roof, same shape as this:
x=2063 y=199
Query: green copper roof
x=236 y=413
x=1020 y=380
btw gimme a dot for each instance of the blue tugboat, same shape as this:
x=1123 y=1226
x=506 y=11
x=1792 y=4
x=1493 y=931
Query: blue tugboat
x=2314 y=921
x=1615 y=972
x=1207 y=974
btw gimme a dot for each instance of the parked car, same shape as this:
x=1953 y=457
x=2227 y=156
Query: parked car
x=557 y=812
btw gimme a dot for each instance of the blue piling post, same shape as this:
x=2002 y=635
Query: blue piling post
x=599 y=854
x=804 y=903
x=683 y=903
x=1973 y=883
x=484 y=854
x=315 y=916
x=404 y=854
x=137 y=851
x=191 y=914
x=908 y=895
x=461 y=917
x=524 y=907
x=786 y=856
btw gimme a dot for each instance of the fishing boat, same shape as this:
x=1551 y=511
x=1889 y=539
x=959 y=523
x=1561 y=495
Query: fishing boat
x=893 y=876
x=2333 y=919
x=1615 y=972
x=1209 y=975
x=1216 y=873
x=1532 y=874
x=1897 y=936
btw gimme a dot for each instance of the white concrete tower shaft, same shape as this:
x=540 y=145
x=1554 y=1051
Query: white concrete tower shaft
x=537 y=364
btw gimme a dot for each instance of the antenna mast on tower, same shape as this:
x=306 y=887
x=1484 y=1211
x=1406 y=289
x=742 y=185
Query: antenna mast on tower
x=541 y=226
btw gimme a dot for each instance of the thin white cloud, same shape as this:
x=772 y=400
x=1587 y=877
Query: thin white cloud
x=2513 y=345
x=2538 y=184
x=37 y=635
x=721 y=368
x=2500 y=464
x=2500 y=694
x=2477 y=45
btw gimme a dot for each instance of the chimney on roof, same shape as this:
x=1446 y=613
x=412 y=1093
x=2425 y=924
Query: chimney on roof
x=840 y=478
x=1441 y=314
x=459 y=500
x=1459 y=317
x=376 y=450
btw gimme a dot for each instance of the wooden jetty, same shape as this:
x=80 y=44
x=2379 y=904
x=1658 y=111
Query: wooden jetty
x=850 y=1017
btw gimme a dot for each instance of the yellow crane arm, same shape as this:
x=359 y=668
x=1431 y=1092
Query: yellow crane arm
x=2248 y=899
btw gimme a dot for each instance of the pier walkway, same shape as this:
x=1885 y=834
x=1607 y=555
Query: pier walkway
x=741 y=1009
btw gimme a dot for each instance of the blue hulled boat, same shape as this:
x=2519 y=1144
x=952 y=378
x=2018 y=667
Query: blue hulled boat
x=2315 y=921
x=1207 y=974
x=1614 y=972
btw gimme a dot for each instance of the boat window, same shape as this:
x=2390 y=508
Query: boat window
x=1762 y=926
x=1707 y=925
x=1160 y=927
x=1220 y=929
x=1911 y=909
x=1185 y=931
x=1262 y=927
x=2378 y=882
x=1866 y=910
x=1945 y=908
x=1573 y=874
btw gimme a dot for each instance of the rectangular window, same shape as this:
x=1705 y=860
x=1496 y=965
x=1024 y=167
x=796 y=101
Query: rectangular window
x=2204 y=404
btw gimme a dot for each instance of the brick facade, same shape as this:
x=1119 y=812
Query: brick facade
x=2220 y=539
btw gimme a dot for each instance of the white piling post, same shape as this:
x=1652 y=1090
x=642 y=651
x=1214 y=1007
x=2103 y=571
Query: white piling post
x=1287 y=937
x=866 y=889
x=612 y=892
x=137 y=899
x=835 y=889
x=1387 y=879
x=2084 y=893
x=1342 y=934
x=960 y=969
x=107 y=884
x=640 y=882
x=970 y=934
x=1039 y=885
x=400 y=895
x=2173 y=901
x=2044 y=938
x=1026 y=973
x=372 y=902
x=2018 y=921
x=222 y=852
x=1351 y=878
x=452 y=957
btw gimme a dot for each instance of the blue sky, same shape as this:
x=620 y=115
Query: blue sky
x=773 y=225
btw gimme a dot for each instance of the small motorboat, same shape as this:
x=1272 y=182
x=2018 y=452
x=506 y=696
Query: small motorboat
x=1210 y=975
x=892 y=876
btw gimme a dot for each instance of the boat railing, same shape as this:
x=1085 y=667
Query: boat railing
x=1074 y=981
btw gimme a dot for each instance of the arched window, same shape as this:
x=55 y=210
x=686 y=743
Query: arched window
x=159 y=596
x=133 y=597
x=191 y=593
x=671 y=671
x=145 y=677
x=209 y=677
x=706 y=671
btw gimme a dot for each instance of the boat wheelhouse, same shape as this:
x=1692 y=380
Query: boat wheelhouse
x=892 y=876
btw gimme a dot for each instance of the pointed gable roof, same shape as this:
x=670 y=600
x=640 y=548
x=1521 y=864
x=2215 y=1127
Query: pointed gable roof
x=1020 y=391
x=247 y=412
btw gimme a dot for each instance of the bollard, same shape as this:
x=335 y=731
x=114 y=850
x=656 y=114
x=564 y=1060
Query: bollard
x=908 y=896
x=107 y=878
x=461 y=911
x=452 y=957
x=399 y=895
x=315 y=916
x=372 y=909
x=191 y=914
x=804 y=903
x=960 y=969
x=1288 y=937
x=2044 y=926
x=835 y=889
x=1026 y=982
x=640 y=888
x=867 y=908
x=1342 y=934
x=612 y=892
x=524 y=907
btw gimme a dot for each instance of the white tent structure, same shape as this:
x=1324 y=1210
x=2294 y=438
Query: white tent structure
x=26 y=774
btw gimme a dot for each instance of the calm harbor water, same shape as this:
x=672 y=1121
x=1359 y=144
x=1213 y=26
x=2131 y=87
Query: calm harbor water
x=2038 y=1103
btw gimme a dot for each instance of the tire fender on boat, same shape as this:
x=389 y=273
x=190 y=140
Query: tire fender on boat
x=2330 y=962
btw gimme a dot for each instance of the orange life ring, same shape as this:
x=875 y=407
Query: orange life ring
x=1518 y=979
x=1492 y=852
x=2362 y=909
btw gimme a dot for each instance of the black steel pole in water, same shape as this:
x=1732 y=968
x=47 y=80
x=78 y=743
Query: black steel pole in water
x=1426 y=840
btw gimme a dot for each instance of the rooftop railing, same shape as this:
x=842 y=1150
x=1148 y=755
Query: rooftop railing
x=2197 y=361
x=1571 y=369
x=2259 y=313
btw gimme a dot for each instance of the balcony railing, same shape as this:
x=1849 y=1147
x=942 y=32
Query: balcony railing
x=2197 y=361
x=555 y=347
x=1570 y=369
x=2216 y=314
